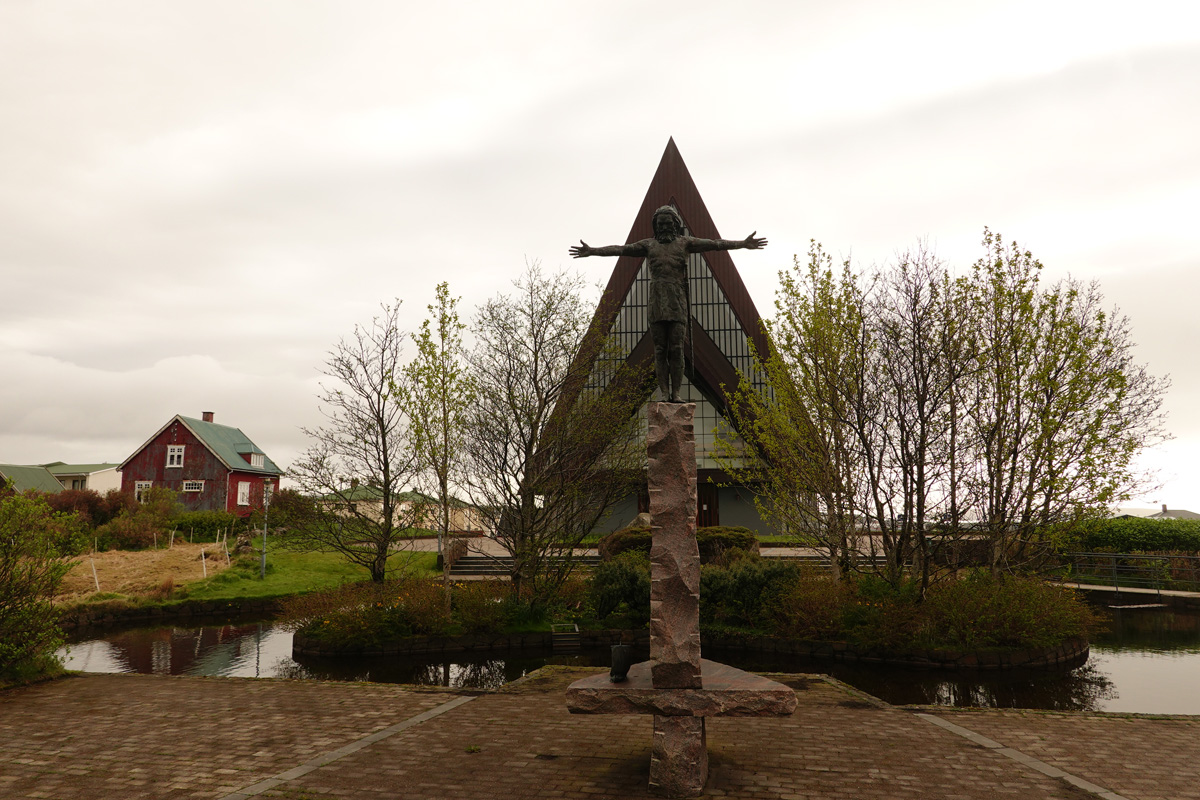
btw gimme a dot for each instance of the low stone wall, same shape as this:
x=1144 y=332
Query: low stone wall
x=1075 y=650
x=478 y=642
x=1070 y=652
x=118 y=613
x=1110 y=597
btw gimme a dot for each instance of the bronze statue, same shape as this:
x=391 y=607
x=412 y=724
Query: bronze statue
x=667 y=255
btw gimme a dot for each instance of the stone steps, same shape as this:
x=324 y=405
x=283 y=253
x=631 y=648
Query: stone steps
x=820 y=561
x=500 y=566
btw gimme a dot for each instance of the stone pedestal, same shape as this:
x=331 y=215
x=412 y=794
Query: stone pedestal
x=678 y=757
x=674 y=555
x=679 y=754
x=675 y=685
x=727 y=692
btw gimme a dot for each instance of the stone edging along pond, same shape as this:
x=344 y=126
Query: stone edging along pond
x=118 y=612
x=1070 y=652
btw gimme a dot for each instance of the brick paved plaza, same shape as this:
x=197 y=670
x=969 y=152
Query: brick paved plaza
x=135 y=736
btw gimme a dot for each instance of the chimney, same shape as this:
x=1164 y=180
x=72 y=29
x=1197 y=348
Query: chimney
x=1164 y=508
x=207 y=416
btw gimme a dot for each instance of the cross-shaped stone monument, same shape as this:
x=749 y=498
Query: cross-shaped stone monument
x=677 y=686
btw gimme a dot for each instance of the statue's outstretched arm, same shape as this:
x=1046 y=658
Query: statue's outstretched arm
x=583 y=250
x=751 y=242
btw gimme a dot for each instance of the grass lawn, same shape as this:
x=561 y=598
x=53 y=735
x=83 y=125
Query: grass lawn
x=293 y=573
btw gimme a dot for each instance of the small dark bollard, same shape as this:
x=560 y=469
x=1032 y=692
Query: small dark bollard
x=622 y=660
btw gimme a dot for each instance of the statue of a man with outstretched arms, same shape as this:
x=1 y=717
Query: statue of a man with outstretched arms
x=667 y=256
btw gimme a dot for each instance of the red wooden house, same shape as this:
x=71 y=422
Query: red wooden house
x=212 y=467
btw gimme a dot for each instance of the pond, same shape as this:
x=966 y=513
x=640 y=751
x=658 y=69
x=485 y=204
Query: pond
x=1147 y=662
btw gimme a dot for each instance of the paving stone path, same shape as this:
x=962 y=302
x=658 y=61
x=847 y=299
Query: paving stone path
x=124 y=737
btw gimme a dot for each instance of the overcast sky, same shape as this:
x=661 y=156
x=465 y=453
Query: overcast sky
x=198 y=199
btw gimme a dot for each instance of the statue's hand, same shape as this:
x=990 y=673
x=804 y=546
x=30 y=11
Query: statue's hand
x=752 y=243
x=582 y=250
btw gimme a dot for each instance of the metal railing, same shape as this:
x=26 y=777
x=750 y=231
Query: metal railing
x=1127 y=570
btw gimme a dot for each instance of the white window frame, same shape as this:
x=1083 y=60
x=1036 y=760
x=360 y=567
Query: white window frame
x=256 y=459
x=192 y=486
x=141 y=486
x=243 y=495
x=175 y=455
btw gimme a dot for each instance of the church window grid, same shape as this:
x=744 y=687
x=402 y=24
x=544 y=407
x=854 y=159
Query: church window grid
x=709 y=307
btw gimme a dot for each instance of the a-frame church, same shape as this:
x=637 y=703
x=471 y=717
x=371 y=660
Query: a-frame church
x=722 y=321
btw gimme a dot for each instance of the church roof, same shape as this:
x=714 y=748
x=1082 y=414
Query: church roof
x=718 y=340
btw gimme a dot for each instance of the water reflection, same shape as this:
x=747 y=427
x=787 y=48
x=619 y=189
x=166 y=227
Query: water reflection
x=1157 y=630
x=1080 y=689
x=245 y=650
x=1146 y=662
x=264 y=650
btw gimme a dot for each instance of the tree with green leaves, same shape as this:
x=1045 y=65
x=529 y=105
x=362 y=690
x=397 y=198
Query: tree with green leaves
x=37 y=547
x=363 y=458
x=437 y=393
x=909 y=399
x=1060 y=408
x=803 y=428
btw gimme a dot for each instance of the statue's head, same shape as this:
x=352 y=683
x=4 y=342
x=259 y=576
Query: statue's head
x=667 y=223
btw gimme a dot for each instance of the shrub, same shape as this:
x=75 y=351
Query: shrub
x=289 y=509
x=972 y=614
x=982 y=612
x=203 y=526
x=625 y=539
x=622 y=582
x=712 y=542
x=135 y=527
x=574 y=595
x=739 y=594
x=126 y=532
x=86 y=504
x=367 y=613
x=116 y=503
x=35 y=549
x=159 y=504
x=880 y=615
x=811 y=607
x=716 y=540
x=482 y=606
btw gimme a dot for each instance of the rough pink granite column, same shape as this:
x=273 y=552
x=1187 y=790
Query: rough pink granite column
x=679 y=753
x=674 y=556
x=678 y=757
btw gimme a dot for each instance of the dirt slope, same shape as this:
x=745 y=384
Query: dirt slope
x=141 y=572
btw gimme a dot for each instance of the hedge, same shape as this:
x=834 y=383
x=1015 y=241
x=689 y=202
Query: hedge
x=1135 y=535
x=713 y=541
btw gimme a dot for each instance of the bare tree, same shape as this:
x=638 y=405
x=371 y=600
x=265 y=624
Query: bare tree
x=545 y=465
x=360 y=461
x=921 y=318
